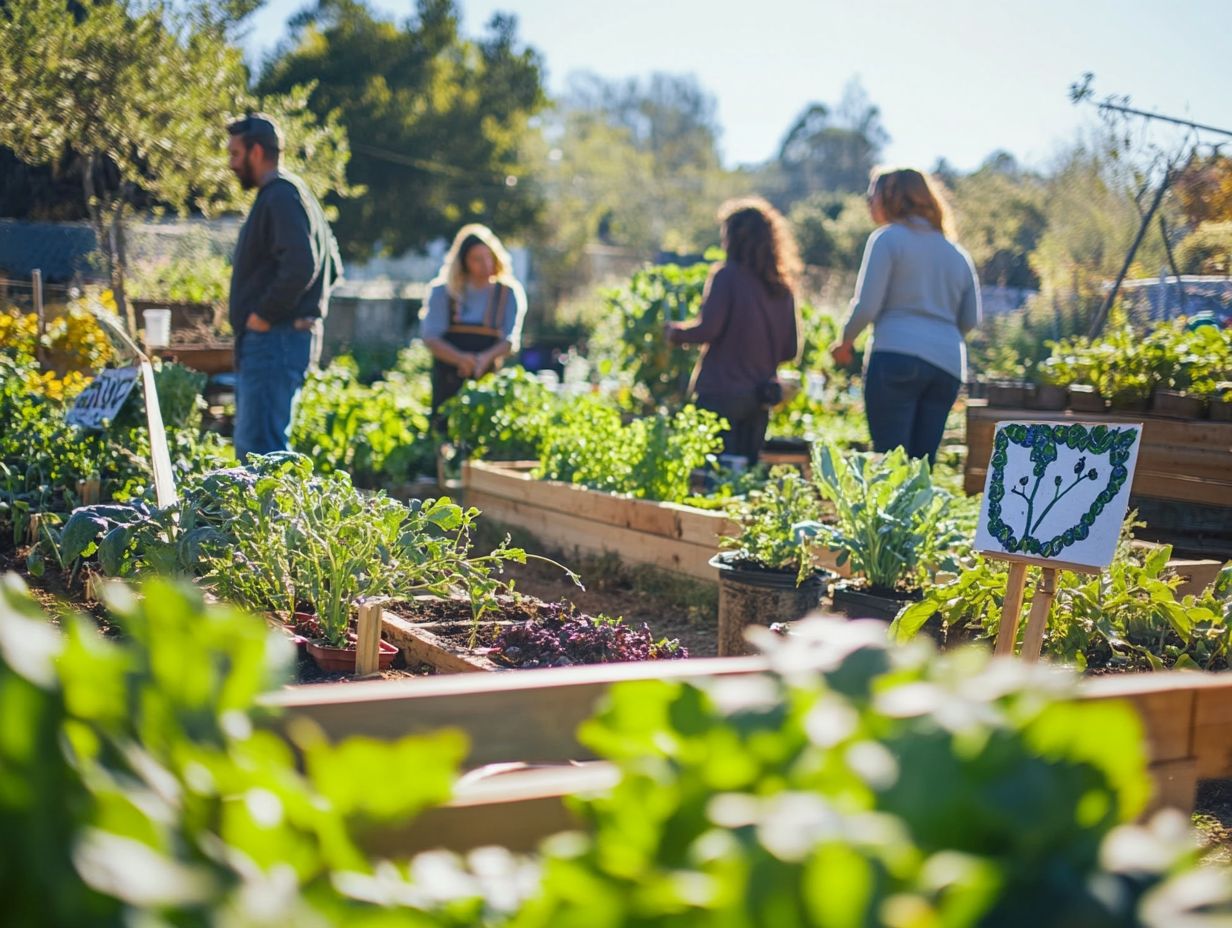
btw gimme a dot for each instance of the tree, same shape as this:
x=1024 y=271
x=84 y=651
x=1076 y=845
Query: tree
x=136 y=96
x=829 y=151
x=439 y=124
x=633 y=164
x=1001 y=215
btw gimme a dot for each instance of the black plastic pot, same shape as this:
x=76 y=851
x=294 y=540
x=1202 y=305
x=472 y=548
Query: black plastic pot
x=752 y=595
x=1177 y=405
x=1084 y=398
x=1049 y=396
x=856 y=603
x=1008 y=394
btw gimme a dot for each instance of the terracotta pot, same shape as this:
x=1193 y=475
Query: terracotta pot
x=342 y=660
x=857 y=603
x=1049 y=396
x=1007 y=394
x=1084 y=398
x=1177 y=405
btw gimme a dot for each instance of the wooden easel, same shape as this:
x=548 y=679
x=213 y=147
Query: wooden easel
x=1041 y=602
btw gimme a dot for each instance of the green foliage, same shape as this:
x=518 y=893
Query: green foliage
x=837 y=420
x=883 y=787
x=1002 y=212
x=137 y=788
x=1207 y=249
x=380 y=434
x=891 y=522
x=649 y=458
x=502 y=417
x=1126 y=363
x=43 y=459
x=768 y=518
x=655 y=296
x=439 y=121
x=1127 y=618
x=832 y=229
x=203 y=279
x=140 y=94
x=273 y=536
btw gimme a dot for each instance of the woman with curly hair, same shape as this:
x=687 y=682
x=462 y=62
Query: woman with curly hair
x=749 y=324
x=918 y=290
x=473 y=315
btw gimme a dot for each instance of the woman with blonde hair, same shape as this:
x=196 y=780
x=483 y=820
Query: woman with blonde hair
x=749 y=323
x=474 y=312
x=918 y=290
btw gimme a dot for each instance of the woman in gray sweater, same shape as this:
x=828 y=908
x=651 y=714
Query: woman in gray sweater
x=918 y=290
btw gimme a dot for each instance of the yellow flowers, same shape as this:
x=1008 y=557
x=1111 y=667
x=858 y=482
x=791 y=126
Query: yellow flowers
x=74 y=346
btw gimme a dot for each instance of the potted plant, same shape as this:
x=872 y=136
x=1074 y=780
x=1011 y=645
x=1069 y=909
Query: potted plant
x=891 y=524
x=1005 y=379
x=1046 y=393
x=766 y=573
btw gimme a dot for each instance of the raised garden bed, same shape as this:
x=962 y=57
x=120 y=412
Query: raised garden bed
x=529 y=721
x=1189 y=461
x=668 y=536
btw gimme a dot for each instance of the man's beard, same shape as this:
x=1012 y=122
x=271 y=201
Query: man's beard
x=244 y=175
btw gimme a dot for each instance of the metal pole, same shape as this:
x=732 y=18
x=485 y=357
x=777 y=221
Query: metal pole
x=1101 y=317
x=1180 y=284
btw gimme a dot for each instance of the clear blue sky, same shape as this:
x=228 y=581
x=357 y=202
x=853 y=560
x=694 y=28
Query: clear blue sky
x=953 y=78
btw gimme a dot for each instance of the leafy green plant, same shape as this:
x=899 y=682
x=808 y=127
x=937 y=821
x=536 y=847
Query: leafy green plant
x=890 y=521
x=768 y=518
x=379 y=434
x=654 y=296
x=501 y=417
x=139 y=785
x=1127 y=618
x=650 y=458
x=861 y=785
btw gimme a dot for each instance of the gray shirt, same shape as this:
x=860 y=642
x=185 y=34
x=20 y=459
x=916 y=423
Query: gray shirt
x=919 y=292
x=472 y=310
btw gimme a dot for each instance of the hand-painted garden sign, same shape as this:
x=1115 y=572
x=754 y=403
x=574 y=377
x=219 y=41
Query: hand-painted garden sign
x=1057 y=492
x=102 y=398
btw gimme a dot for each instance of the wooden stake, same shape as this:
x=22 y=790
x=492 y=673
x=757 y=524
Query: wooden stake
x=1041 y=603
x=1011 y=609
x=40 y=314
x=32 y=529
x=368 y=648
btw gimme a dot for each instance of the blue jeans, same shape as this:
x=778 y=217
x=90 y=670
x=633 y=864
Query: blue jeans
x=270 y=369
x=907 y=401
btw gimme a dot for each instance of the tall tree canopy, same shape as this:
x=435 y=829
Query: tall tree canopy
x=135 y=96
x=439 y=125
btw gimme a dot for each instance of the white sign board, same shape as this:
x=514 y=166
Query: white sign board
x=1057 y=492
x=102 y=398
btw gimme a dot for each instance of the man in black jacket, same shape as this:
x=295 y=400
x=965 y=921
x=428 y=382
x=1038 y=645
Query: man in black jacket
x=285 y=260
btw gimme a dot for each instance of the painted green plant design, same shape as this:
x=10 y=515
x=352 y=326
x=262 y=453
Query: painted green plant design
x=1044 y=439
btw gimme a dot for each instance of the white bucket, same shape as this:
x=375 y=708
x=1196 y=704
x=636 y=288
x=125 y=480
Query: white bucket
x=157 y=327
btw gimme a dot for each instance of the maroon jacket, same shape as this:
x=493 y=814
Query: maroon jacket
x=748 y=332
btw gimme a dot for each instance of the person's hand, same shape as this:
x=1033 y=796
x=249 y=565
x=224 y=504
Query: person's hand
x=483 y=362
x=466 y=365
x=255 y=323
x=843 y=353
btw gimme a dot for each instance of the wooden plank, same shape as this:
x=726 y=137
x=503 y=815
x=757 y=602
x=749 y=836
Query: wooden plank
x=1212 y=731
x=1156 y=430
x=565 y=531
x=668 y=520
x=524 y=715
x=514 y=810
x=1172 y=486
x=420 y=646
x=1174 y=785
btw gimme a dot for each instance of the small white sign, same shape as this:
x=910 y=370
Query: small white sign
x=1058 y=491
x=101 y=400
